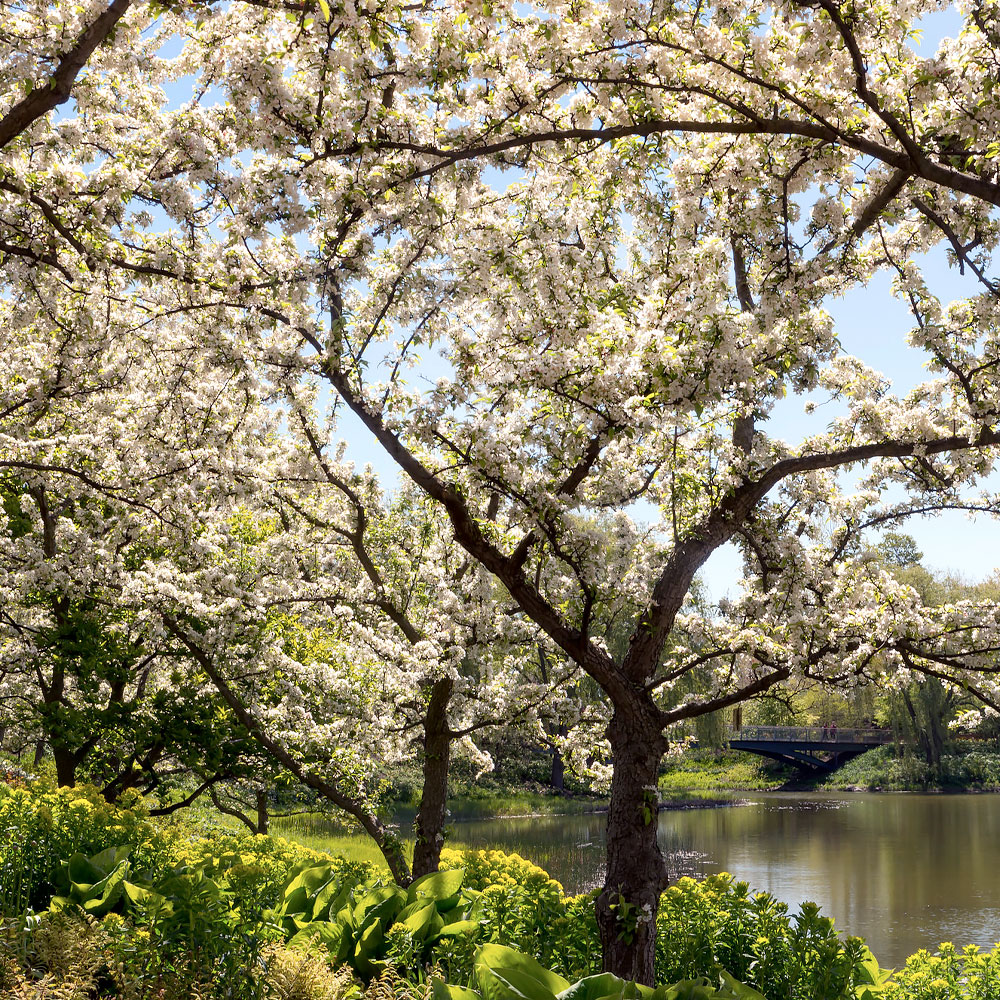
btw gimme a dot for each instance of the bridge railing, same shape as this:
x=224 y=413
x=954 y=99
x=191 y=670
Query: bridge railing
x=812 y=734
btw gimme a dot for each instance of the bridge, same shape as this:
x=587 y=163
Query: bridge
x=809 y=748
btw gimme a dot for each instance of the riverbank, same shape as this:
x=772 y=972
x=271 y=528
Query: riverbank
x=970 y=767
x=967 y=767
x=319 y=832
x=704 y=770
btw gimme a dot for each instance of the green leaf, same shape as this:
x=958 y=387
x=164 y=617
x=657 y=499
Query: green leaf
x=96 y=883
x=312 y=879
x=424 y=923
x=519 y=973
x=440 y=886
x=143 y=897
x=445 y=991
x=688 y=989
x=606 y=984
x=324 y=10
x=327 y=895
x=334 y=935
x=378 y=906
x=738 y=990
x=107 y=892
x=457 y=928
x=368 y=949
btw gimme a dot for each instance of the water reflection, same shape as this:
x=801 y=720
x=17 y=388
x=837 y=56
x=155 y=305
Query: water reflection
x=903 y=871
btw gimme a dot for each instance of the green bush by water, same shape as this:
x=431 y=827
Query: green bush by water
x=885 y=768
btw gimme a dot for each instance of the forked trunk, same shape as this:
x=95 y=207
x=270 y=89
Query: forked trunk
x=433 y=812
x=637 y=872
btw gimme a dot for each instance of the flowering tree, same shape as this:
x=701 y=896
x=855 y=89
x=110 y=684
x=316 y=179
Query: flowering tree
x=609 y=323
x=454 y=649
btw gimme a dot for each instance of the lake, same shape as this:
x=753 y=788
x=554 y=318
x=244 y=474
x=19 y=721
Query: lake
x=904 y=871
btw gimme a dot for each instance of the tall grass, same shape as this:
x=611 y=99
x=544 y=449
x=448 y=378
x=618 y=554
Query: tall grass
x=320 y=833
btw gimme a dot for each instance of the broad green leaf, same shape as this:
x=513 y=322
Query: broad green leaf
x=141 y=896
x=595 y=987
x=370 y=941
x=522 y=984
x=324 y=897
x=739 y=990
x=425 y=923
x=459 y=927
x=688 y=989
x=337 y=905
x=379 y=906
x=296 y=901
x=311 y=879
x=110 y=858
x=445 y=991
x=497 y=957
x=331 y=933
x=440 y=885
x=106 y=893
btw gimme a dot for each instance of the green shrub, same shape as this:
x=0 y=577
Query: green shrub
x=949 y=975
x=882 y=768
x=711 y=770
x=40 y=829
x=719 y=922
x=524 y=908
x=212 y=917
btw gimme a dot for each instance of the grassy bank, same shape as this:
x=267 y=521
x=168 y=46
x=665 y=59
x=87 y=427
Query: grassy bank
x=720 y=771
x=489 y=804
x=321 y=833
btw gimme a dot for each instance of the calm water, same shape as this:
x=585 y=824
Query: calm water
x=903 y=871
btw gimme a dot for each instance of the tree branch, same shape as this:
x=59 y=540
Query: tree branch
x=57 y=90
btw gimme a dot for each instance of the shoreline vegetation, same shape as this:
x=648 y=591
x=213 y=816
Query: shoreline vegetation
x=967 y=767
x=698 y=779
x=100 y=900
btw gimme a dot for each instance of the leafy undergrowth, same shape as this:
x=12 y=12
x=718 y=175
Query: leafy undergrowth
x=885 y=769
x=98 y=901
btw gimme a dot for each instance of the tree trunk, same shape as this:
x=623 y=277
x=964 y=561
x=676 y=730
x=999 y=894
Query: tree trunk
x=262 y=816
x=65 y=761
x=430 y=818
x=637 y=872
x=558 y=777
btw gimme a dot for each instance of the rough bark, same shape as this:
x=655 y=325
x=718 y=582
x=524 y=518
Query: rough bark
x=430 y=818
x=637 y=871
x=262 y=814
